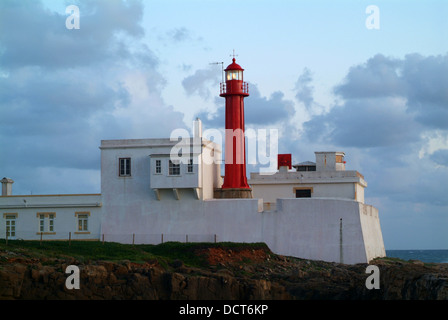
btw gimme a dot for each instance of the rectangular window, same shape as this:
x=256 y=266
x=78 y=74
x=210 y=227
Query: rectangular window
x=190 y=166
x=124 y=167
x=10 y=226
x=51 y=222
x=174 y=169
x=41 y=223
x=158 y=166
x=303 y=193
x=83 y=222
x=46 y=221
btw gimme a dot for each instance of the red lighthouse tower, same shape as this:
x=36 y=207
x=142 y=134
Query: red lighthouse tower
x=234 y=90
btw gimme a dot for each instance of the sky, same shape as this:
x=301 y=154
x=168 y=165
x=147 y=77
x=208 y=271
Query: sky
x=328 y=75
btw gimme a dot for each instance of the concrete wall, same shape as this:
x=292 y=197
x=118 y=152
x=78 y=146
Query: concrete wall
x=305 y=228
x=228 y=219
x=323 y=229
x=371 y=229
x=271 y=192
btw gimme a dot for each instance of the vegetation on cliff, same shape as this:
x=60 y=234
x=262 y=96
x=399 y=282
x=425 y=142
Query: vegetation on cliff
x=202 y=271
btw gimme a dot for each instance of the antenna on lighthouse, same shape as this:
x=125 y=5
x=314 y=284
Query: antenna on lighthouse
x=234 y=55
x=222 y=68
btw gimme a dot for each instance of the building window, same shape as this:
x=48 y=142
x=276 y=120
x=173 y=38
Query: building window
x=190 y=166
x=174 y=169
x=125 y=167
x=306 y=168
x=41 y=223
x=158 y=166
x=10 y=225
x=303 y=193
x=46 y=221
x=83 y=222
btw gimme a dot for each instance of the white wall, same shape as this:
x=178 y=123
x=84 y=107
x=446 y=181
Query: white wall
x=310 y=228
x=64 y=207
x=272 y=192
x=306 y=228
x=371 y=229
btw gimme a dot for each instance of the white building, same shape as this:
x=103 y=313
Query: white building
x=148 y=198
x=325 y=178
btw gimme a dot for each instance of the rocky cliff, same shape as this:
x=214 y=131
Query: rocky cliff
x=243 y=273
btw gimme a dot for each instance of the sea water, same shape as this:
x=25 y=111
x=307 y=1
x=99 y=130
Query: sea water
x=435 y=256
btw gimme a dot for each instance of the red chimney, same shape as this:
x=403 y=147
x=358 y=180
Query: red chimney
x=284 y=160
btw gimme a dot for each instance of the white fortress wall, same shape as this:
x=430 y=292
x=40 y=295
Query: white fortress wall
x=311 y=228
x=228 y=219
x=306 y=228
x=371 y=229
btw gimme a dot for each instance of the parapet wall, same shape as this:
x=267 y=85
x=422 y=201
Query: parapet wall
x=324 y=229
x=332 y=230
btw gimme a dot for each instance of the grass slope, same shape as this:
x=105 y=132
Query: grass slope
x=111 y=251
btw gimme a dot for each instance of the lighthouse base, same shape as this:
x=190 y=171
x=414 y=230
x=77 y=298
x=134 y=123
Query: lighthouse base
x=232 y=193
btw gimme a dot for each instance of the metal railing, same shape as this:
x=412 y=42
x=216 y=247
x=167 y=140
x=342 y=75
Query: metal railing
x=244 y=88
x=134 y=238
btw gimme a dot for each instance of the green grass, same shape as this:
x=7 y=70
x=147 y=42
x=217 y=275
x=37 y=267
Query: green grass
x=186 y=251
x=80 y=250
x=112 y=251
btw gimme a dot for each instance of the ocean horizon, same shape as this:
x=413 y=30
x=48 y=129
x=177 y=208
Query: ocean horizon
x=434 y=256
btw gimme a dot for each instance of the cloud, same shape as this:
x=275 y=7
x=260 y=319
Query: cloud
x=378 y=77
x=426 y=80
x=63 y=91
x=389 y=111
x=258 y=110
x=202 y=81
x=365 y=123
x=179 y=34
x=440 y=157
x=387 y=102
x=304 y=89
x=422 y=81
x=40 y=37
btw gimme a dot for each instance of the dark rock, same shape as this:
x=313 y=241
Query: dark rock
x=254 y=277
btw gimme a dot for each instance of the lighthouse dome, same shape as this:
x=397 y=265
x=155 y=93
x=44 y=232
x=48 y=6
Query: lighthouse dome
x=234 y=66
